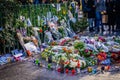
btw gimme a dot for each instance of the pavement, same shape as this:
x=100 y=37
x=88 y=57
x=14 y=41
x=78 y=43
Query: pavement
x=27 y=70
x=104 y=33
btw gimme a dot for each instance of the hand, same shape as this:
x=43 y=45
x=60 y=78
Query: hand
x=104 y=11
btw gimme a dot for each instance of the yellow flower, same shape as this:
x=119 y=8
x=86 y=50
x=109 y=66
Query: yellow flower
x=46 y=50
x=93 y=62
x=69 y=51
x=64 y=12
x=70 y=7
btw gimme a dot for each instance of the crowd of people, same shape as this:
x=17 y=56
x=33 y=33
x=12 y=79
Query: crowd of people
x=101 y=13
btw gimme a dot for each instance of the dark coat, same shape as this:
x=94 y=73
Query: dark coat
x=117 y=9
x=78 y=2
x=84 y=6
x=110 y=9
x=117 y=6
x=100 y=6
x=91 y=8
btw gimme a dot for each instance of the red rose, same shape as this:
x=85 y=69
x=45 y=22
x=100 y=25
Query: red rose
x=102 y=56
x=86 y=50
x=40 y=30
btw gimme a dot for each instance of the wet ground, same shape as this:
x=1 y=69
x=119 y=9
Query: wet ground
x=105 y=33
x=27 y=70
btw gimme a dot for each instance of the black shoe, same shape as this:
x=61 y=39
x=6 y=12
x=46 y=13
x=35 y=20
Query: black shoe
x=90 y=29
x=97 y=31
x=102 y=30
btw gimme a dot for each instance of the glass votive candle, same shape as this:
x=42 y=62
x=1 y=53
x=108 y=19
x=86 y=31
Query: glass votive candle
x=89 y=69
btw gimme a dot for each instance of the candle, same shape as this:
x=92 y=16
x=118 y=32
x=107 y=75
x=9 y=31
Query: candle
x=73 y=71
x=67 y=71
x=59 y=69
x=102 y=69
x=37 y=61
x=107 y=68
x=28 y=52
x=78 y=70
x=94 y=71
x=89 y=69
x=9 y=59
x=78 y=64
x=49 y=66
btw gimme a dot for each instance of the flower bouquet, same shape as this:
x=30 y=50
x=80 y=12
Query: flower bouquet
x=47 y=52
x=102 y=56
x=91 y=61
x=79 y=46
x=64 y=41
x=53 y=43
x=87 y=53
x=61 y=30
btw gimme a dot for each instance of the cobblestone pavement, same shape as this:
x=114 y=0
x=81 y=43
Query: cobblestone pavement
x=29 y=71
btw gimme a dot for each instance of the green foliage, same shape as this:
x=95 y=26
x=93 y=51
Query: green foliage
x=91 y=61
x=10 y=13
x=7 y=12
x=47 y=52
x=79 y=45
x=7 y=16
x=19 y=24
x=83 y=66
x=80 y=25
x=7 y=37
x=61 y=30
x=33 y=11
x=117 y=40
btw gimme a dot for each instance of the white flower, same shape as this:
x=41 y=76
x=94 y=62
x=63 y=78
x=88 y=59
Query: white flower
x=73 y=64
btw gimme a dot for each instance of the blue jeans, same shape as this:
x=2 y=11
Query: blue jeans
x=36 y=1
x=98 y=20
x=91 y=22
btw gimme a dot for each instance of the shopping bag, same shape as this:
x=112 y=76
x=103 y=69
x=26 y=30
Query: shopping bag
x=31 y=1
x=104 y=18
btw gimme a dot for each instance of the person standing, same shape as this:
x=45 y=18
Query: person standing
x=36 y=2
x=100 y=9
x=117 y=9
x=110 y=9
x=45 y=1
x=78 y=1
x=40 y=1
x=84 y=8
x=91 y=14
